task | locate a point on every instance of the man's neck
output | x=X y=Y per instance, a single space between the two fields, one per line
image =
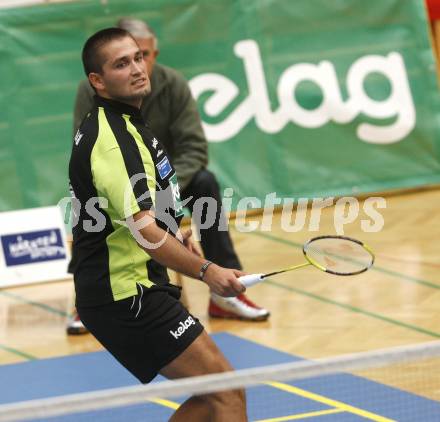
x=133 y=103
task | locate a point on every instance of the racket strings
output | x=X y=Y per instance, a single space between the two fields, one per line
x=339 y=256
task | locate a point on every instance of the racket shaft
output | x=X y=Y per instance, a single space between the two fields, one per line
x=252 y=279
x=295 y=267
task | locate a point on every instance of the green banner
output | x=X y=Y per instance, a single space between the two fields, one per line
x=303 y=98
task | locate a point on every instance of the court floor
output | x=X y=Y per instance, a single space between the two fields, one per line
x=341 y=397
x=313 y=314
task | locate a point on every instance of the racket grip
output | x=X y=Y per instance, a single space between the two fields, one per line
x=250 y=279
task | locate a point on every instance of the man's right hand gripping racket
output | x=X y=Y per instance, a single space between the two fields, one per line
x=339 y=255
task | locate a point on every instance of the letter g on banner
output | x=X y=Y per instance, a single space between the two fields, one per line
x=399 y=103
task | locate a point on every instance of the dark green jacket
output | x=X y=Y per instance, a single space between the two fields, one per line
x=172 y=115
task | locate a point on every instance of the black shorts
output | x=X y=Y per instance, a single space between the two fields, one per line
x=144 y=332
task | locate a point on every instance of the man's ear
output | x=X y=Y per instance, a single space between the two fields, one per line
x=96 y=81
x=156 y=53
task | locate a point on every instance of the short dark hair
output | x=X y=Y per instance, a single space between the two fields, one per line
x=91 y=56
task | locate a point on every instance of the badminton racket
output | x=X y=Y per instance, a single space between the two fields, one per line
x=339 y=255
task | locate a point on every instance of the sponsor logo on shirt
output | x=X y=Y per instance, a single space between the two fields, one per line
x=33 y=247
x=78 y=137
x=175 y=190
x=155 y=142
x=159 y=153
x=164 y=167
x=183 y=326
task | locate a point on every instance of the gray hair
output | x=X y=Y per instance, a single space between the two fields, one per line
x=138 y=29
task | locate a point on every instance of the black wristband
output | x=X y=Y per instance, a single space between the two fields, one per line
x=203 y=269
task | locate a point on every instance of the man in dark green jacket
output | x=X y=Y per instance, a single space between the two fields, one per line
x=172 y=115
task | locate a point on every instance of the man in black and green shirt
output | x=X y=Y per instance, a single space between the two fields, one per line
x=126 y=203
x=171 y=112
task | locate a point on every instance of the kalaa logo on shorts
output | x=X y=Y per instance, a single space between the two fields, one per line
x=183 y=326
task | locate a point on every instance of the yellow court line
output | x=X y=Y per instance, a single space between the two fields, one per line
x=330 y=402
x=166 y=403
x=302 y=415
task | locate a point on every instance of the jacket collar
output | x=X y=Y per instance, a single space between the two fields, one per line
x=158 y=81
x=158 y=78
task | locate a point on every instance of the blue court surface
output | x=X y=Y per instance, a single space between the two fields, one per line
x=341 y=397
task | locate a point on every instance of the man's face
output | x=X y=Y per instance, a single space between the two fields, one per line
x=124 y=73
x=149 y=52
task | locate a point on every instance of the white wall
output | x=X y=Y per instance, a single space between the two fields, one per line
x=5 y=4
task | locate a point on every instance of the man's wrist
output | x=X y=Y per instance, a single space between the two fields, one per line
x=203 y=269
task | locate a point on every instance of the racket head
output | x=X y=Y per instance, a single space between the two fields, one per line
x=339 y=255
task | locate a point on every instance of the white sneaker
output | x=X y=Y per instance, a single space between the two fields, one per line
x=239 y=307
x=75 y=326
